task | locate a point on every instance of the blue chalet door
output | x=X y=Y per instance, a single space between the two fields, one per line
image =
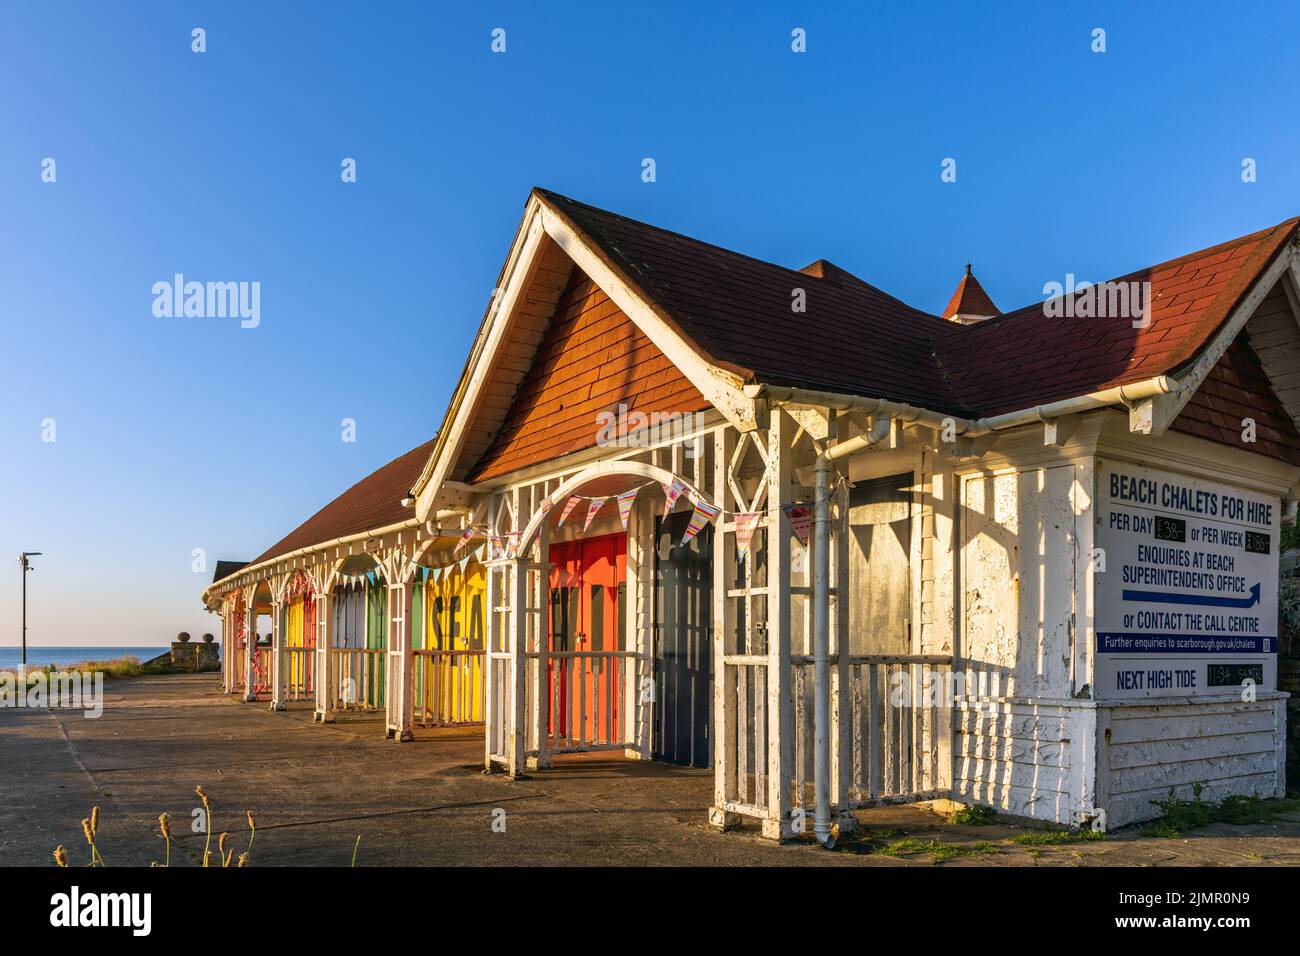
x=683 y=654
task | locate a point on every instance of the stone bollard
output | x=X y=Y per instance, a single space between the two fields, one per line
x=184 y=654
x=208 y=656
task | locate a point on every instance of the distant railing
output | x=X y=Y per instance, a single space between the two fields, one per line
x=300 y=673
x=358 y=678
x=263 y=655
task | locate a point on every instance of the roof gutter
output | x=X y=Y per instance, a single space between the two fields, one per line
x=966 y=427
x=431 y=524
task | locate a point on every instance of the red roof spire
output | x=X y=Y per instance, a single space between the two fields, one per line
x=970 y=303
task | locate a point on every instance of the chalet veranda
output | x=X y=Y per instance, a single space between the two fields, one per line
x=843 y=554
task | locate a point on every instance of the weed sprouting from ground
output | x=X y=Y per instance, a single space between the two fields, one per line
x=975 y=815
x=165 y=828
x=939 y=851
x=1040 y=838
x=252 y=832
x=90 y=830
x=207 y=820
x=1178 y=816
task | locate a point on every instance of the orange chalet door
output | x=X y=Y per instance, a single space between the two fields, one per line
x=587 y=584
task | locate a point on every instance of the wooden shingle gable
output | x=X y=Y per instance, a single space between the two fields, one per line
x=514 y=355
x=1274 y=332
x=592 y=361
x=547 y=249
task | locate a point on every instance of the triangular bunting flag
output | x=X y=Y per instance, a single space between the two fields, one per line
x=568 y=510
x=464 y=538
x=671 y=494
x=625 y=505
x=800 y=521
x=746 y=523
x=704 y=514
x=435 y=574
x=462 y=563
x=596 y=505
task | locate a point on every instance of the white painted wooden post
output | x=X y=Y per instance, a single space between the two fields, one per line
x=496 y=657
x=517 y=716
x=277 y=657
x=325 y=659
x=780 y=730
x=722 y=733
x=541 y=690
x=250 y=651
x=401 y=657
x=491 y=663
x=227 y=671
x=638 y=678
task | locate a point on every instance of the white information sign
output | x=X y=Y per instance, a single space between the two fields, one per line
x=1187 y=603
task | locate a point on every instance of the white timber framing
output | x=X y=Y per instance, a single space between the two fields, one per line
x=517 y=699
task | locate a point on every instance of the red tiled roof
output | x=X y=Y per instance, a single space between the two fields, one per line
x=856 y=339
x=1026 y=357
x=969 y=298
x=373 y=502
x=737 y=312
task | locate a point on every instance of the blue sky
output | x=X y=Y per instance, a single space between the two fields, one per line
x=181 y=433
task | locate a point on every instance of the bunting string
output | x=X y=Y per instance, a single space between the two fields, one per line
x=800 y=514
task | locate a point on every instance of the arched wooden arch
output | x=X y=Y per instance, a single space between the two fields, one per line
x=632 y=469
x=330 y=576
x=297 y=580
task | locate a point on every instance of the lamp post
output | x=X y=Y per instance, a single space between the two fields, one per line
x=26 y=566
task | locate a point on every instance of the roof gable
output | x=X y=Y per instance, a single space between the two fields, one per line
x=1237 y=389
x=591 y=359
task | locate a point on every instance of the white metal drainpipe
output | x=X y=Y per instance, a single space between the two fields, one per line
x=822 y=653
x=821 y=563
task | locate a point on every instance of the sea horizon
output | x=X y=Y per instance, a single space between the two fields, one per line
x=39 y=656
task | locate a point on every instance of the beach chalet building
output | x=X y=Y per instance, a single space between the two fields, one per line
x=693 y=507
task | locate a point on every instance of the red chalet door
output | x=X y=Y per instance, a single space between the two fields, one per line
x=587 y=621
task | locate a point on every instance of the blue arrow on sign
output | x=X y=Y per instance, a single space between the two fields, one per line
x=1205 y=600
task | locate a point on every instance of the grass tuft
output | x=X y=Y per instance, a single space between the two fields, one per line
x=938 y=850
x=975 y=815
x=1179 y=816
x=1040 y=838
